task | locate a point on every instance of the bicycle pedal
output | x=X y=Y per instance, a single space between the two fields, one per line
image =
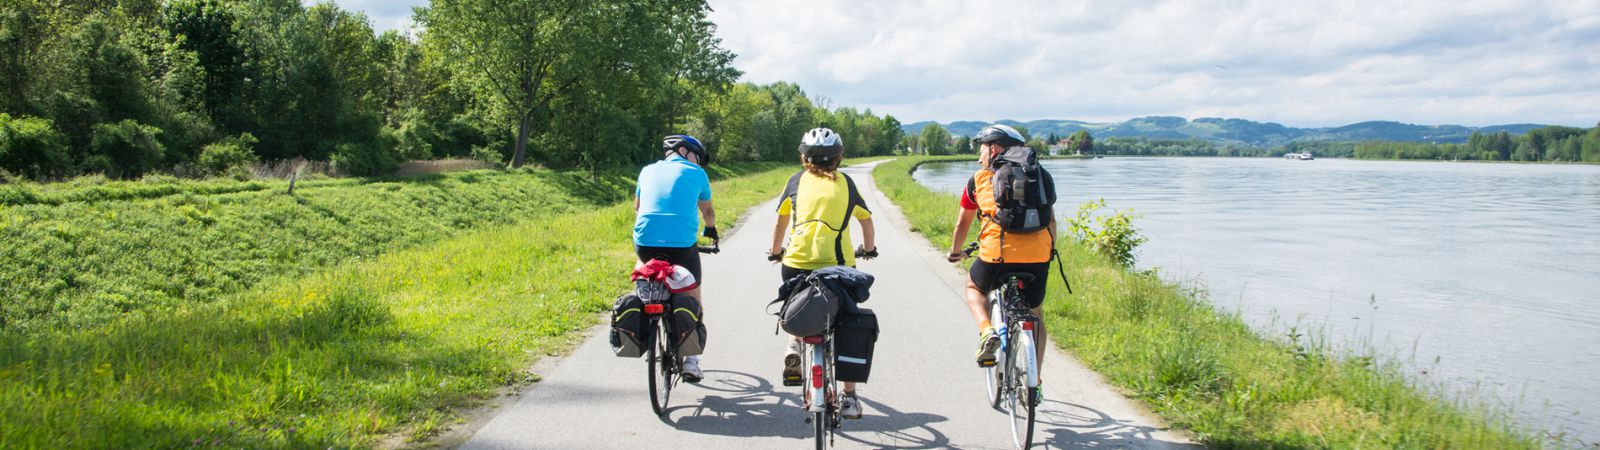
x=792 y=382
x=986 y=363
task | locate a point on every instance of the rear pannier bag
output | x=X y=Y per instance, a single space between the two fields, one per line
x=810 y=309
x=627 y=327
x=688 y=332
x=852 y=345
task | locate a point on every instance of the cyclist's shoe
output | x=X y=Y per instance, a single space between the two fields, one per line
x=791 y=365
x=850 y=406
x=691 y=369
x=988 y=343
x=1038 y=395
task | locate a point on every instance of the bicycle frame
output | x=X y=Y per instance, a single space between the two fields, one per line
x=1018 y=324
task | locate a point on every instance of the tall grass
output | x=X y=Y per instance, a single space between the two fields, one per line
x=81 y=253
x=342 y=357
x=1205 y=370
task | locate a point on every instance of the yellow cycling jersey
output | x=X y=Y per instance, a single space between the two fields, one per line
x=819 y=234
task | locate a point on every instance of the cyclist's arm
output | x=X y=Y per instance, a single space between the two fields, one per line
x=963 y=222
x=868 y=234
x=709 y=213
x=777 y=234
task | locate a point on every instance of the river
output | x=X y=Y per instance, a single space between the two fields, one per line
x=1484 y=277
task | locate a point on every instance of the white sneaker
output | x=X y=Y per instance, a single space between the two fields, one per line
x=691 y=369
x=791 y=364
x=850 y=406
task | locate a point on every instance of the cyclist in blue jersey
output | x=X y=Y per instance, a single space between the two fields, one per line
x=672 y=197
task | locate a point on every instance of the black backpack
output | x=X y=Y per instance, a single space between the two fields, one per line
x=1023 y=201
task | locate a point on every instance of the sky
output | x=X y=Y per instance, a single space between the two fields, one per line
x=1299 y=63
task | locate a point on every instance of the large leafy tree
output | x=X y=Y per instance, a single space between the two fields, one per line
x=581 y=78
x=936 y=140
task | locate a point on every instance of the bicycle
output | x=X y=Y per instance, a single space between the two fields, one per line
x=1012 y=384
x=819 y=389
x=663 y=365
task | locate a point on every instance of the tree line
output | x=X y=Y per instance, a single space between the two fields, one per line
x=199 y=87
x=1552 y=144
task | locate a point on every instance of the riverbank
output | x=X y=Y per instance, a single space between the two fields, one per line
x=368 y=347
x=1207 y=371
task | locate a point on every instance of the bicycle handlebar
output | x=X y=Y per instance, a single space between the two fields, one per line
x=716 y=247
x=861 y=252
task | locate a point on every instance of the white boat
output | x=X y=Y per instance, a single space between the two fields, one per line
x=1304 y=156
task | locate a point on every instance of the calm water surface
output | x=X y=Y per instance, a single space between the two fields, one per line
x=1484 y=276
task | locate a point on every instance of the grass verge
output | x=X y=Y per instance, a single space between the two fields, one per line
x=1206 y=371
x=340 y=358
x=83 y=252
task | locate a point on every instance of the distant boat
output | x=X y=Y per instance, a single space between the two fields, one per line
x=1304 y=156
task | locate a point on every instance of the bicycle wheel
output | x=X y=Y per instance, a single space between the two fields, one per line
x=1020 y=401
x=819 y=428
x=660 y=364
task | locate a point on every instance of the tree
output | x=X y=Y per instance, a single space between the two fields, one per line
x=570 y=72
x=1081 y=143
x=935 y=140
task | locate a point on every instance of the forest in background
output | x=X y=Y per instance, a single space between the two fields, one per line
x=199 y=88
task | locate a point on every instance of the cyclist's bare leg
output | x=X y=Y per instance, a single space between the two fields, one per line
x=1040 y=338
x=696 y=294
x=978 y=303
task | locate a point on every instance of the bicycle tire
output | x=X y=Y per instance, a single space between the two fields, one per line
x=660 y=368
x=1021 y=404
x=819 y=429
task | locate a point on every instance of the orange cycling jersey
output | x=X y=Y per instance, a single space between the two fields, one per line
x=1030 y=247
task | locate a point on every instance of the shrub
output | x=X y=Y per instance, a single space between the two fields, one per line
x=370 y=158
x=1115 y=237
x=130 y=148
x=31 y=147
x=228 y=153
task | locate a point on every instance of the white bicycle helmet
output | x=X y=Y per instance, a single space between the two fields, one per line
x=821 y=146
x=1003 y=134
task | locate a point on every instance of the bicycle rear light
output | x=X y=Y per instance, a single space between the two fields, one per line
x=816 y=376
x=654 y=308
x=812 y=339
x=1027 y=325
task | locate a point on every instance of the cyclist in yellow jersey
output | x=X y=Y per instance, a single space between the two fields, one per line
x=820 y=201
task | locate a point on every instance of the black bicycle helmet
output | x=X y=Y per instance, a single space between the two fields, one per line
x=1003 y=134
x=677 y=141
x=821 y=146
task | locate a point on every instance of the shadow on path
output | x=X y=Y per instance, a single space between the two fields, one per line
x=1072 y=426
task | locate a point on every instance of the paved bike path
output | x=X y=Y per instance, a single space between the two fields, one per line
x=925 y=392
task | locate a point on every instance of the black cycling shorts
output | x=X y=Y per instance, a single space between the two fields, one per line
x=790 y=272
x=987 y=276
x=688 y=257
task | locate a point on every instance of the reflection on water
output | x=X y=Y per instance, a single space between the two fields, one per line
x=1492 y=269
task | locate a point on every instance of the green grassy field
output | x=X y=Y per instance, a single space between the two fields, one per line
x=1206 y=371
x=368 y=347
x=81 y=253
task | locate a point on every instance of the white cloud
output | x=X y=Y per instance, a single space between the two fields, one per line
x=1298 y=63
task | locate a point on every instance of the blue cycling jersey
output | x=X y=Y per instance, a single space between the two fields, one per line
x=670 y=192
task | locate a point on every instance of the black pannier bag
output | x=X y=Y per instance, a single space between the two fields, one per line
x=688 y=332
x=852 y=345
x=809 y=309
x=627 y=327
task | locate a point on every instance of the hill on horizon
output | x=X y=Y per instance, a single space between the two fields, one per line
x=1239 y=131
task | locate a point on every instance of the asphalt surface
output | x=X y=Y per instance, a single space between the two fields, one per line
x=925 y=389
